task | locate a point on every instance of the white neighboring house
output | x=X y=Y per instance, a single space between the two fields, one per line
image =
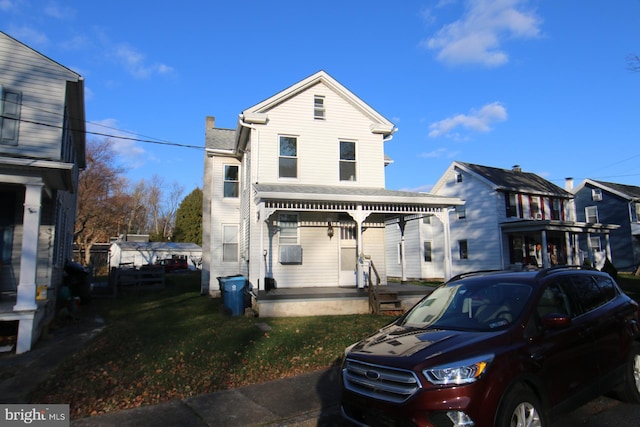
x=510 y=220
x=295 y=198
x=137 y=254
x=42 y=149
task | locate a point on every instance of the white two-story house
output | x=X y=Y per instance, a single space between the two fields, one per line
x=42 y=149
x=295 y=198
x=510 y=220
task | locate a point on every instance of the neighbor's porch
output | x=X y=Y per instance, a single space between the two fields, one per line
x=291 y=302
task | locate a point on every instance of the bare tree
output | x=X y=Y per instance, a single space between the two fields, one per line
x=100 y=187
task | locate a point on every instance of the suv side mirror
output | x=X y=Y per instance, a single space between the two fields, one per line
x=556 y=321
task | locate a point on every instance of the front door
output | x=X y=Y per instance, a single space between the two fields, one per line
x=348 y=256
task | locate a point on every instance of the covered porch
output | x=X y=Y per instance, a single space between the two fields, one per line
x=544 y=243
x=332 y=300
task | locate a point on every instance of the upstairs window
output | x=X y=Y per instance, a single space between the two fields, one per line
x=318 y=107
x=596 y=194
x=9 y=116
x=535 y=206
x=458 y=176
x=427 y=251
x=513 y=205
x=288 y=162
x=231 y=181
x=556 y=209
x=461 y=212
x=347 y=161
x=591 y=214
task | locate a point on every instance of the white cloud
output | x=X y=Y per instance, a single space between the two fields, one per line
x=55 y=10
x=128 y=151
x=479 y=36
x=29 y=36
x=476 y=121
x=135 y=62
x=6 y=5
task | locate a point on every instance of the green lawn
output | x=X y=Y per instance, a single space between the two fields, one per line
x=175 y=343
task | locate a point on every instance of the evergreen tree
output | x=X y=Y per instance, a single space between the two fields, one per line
x=188 y=226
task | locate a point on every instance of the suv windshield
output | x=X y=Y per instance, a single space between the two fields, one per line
x=470 y=306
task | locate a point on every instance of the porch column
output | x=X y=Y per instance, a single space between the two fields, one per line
x=443 y=215
x=568 y=248
x=359 y=215
x=590 y=251
x=402 y=223
x=545 y=249
x=607 y=246
x=26 y=296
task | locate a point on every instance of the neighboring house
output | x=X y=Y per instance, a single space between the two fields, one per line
x=295 y=198
x=137 y=254
x=510 y=220
x=42 y=148
x=610 y=203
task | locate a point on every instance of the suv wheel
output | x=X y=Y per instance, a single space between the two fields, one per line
x=630 y=389
x=520 y=408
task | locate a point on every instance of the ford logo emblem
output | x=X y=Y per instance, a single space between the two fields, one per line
x=372 y=375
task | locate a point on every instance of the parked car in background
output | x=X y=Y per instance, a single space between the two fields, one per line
x=497 y=349
x=174 y=264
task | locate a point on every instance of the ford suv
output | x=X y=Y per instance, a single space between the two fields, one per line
x=497 y=349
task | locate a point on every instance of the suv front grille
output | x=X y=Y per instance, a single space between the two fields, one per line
x=379 y=382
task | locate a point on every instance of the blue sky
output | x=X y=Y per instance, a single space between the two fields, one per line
x=543 y=84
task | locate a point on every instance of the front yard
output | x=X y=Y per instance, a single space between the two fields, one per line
x=175 y=343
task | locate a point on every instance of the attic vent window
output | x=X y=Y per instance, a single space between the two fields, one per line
x=318 y=107
x=458 y=177
x=596 y=194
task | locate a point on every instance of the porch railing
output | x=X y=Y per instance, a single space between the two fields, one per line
x=379 y=300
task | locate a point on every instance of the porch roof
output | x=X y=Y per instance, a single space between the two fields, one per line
x=555 y=225
x=358 y=195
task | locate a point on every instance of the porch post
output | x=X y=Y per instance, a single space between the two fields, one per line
x=448 y=267
x=568 y=248
x=26 y=296
x=545 y=249
x=590 y=251
x=608 y=246
x=402 y=223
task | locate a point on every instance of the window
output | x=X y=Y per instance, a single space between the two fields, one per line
x=318 y=107
x=347 y=161
x=591 y=214
x=9 y=116
x=458 y=177
x=426 y=219
x=637 y=210
x=427 y=251
x=596 y=245
x=461 y=212
x=536 y=211
x=288 y=166
x=596 y=194
x=511 y=200
x=231 y=181
x=587 y=293
x=556 y=209
x=463 y=249
x=288 y=229
x=229 y=243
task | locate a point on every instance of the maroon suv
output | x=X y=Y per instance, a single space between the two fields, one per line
x=497 y=349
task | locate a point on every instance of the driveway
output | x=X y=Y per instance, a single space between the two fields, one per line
x=602 y=412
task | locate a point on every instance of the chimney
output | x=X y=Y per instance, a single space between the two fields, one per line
x=210 y=123
x=516 y=168
x=568 y=184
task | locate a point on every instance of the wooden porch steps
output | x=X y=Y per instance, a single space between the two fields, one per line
x=386 y=301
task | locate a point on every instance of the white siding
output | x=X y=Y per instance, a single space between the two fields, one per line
x=318 y=141
x=480 y=228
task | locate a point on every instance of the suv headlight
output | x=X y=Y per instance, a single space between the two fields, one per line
x=462 y=372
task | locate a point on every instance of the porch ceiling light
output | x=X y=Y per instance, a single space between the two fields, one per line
x=329 y=229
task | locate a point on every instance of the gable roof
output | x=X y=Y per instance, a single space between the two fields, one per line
x=220 y=139
x=629 y=192
x=379 y=123
x=514 y=180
